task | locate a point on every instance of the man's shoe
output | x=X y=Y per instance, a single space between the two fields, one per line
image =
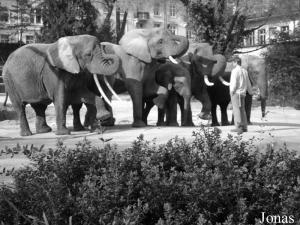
x=239 y=131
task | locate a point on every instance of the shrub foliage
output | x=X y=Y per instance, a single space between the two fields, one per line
x=207 y=181
x=283 y=67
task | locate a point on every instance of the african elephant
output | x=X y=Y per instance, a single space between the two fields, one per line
x=138 y=50
x=256 y=68
x=177 y=80
x=39 y=74
x=213 y=75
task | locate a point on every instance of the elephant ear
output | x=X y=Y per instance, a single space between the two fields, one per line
x=135 y=43
x=219 y=66
x=61 y=55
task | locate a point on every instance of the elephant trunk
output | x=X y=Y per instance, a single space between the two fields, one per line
x=109 y=63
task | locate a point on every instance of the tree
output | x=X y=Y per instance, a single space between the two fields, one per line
x=67 y=17
x=219 y=22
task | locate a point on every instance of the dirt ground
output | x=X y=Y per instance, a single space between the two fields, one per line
x=281 y=125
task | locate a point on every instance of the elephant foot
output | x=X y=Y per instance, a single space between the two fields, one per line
x=138 y=123
x=191 y=124
x=204 y=116
x=78 y=127
x=226 y=123
x=25 y=133
x=161 y=124
x=249 y=123
x=43 y=129
x=173 y=124
x=215 y=124
x=108 y=122
x=63 y=131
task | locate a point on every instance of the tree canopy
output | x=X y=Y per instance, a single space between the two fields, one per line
x=67 y=17
x=218 y=22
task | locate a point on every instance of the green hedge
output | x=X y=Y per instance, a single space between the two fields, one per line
x=207 y=181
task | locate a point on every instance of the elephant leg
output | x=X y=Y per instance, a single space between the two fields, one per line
x=77 y=125
x=25 y=130
x=135 y=90
x=60 y=110
x=161 y=117
x=90 y=116
x=186 y=112
x=147 y=109
x=110 y=121
x=224 y=116
x=248 y=105
x=263 y=104
x=171 y=109
x=206 y=106
x=104 y=112
x=214 y=118
x=40 y=123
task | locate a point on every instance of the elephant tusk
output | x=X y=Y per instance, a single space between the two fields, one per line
x=173 y=60
x=170 y=86
x=207 y=82
x=101 y=90
x=224 y=81
x=111 y=89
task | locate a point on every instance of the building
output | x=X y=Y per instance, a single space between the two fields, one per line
x=271 y=17
x=18 y=24
x=170 y=14
x=152 y=13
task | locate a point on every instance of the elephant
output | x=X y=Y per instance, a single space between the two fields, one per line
x=139 y=51
x=256 y=67
x=211 y=75
x=38 y=74
x=177 y=80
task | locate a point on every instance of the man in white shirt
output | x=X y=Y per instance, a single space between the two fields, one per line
x=239 y=85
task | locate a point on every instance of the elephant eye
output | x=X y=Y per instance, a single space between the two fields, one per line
x=160 y=41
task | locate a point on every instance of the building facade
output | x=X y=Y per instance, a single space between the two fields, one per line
x=19 y=26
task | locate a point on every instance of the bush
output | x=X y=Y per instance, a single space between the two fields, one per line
x=208 y=181
x=283 y=68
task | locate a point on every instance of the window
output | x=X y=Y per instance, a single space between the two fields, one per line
x=250 y=39
x=272 y=34
x=4 y=38
x=29 y=39
x=284 y=29
x=172 y=28
x=262 y=36
x=189 y=33
x=172 y=9
x=38 y=15
x=156 y=9
x=4 y=16
x=156 y=25
x=143 y=15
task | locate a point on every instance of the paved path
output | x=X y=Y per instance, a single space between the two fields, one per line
x=280 y=125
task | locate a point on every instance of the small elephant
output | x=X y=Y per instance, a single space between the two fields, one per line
x=177 y=80
x=138 y=49
x=39 y=74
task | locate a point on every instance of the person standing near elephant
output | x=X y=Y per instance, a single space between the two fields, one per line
x=239 y=85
